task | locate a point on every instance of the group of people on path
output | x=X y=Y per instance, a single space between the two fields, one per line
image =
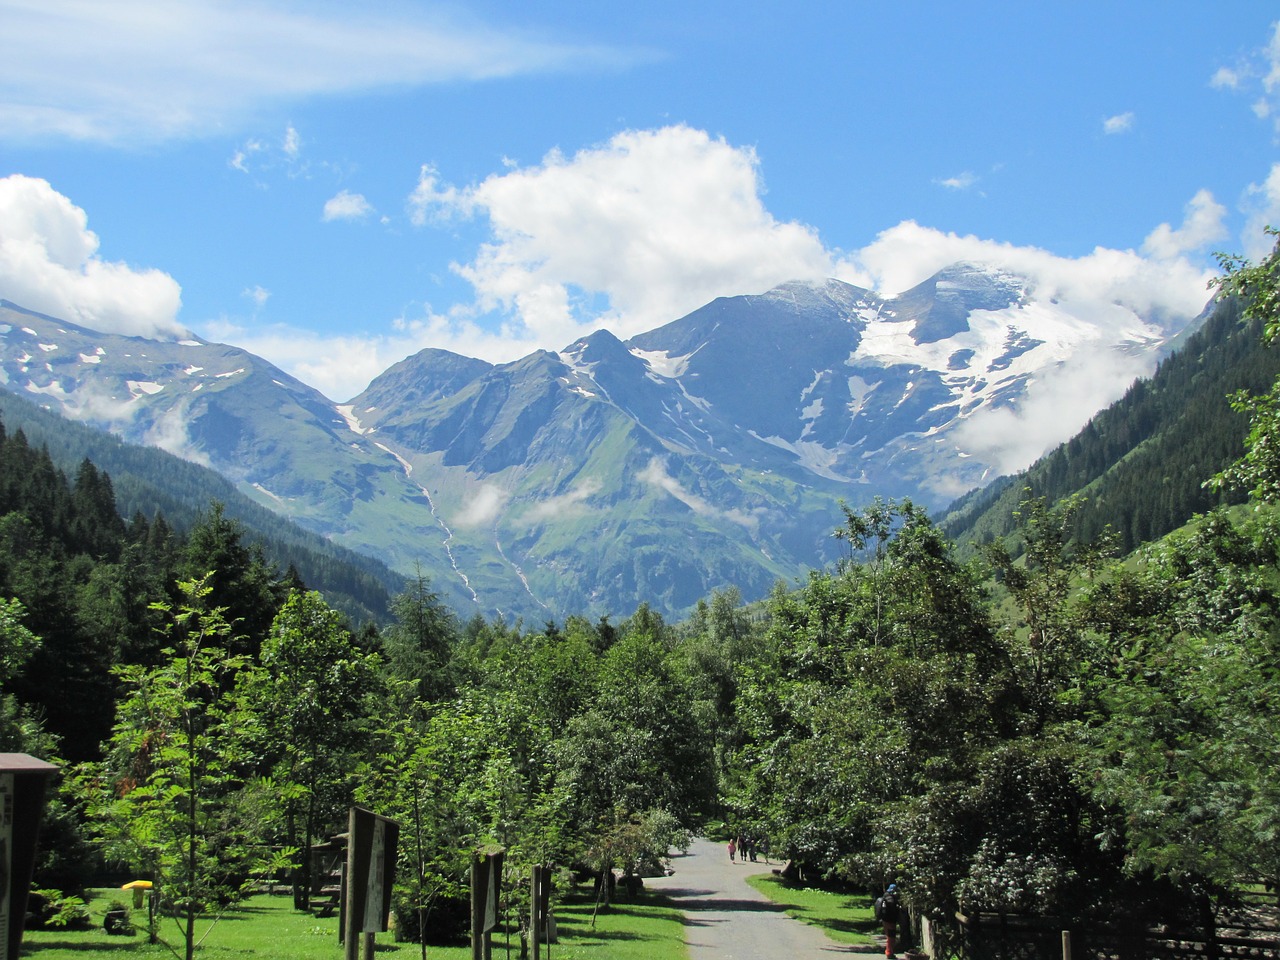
x=744 y=846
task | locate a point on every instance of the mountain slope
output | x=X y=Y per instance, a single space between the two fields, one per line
x=147 y=481
x=1142 y=462
x=711 y=451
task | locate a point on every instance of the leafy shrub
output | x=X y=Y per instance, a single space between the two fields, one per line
x=48 y=909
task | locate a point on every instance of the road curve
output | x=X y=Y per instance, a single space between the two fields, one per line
x=727 y=920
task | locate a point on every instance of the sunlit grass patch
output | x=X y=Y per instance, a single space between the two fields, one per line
x=647 y=928
x=844 y=917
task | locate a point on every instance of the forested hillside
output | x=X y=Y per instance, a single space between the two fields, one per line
x=148 y=481
x=1142 y=463
x=85 y=581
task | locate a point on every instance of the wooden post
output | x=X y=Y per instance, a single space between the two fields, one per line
x=478 y=879
x=535 y=904
x=350 y=915
x=1066 y=945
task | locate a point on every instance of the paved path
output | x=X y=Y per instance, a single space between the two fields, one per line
x=728 y=920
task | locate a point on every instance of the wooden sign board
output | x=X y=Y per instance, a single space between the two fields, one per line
x=22 y=785
x=369 y=877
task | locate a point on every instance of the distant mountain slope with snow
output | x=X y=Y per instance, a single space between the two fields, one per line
x=711 y=451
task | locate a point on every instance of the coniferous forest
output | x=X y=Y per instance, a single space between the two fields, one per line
x=1075 y=719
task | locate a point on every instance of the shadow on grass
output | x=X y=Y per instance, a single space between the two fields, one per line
x=573 y=918
x=30 y=948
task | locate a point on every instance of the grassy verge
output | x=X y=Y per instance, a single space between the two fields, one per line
x=845 y=918
x=645 y=929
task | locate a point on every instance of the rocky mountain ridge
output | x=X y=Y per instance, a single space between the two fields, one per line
x=713 y=450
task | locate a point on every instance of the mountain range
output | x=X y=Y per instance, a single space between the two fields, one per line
x=712 y=451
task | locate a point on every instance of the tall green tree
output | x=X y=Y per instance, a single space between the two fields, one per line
x=162 y=800
x=18 y=730
x=313 y=702
x=419 y=644
x=237 y=574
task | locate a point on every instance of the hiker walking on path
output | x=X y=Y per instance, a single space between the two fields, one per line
x=886 y=909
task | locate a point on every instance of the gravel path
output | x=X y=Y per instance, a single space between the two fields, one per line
x=728 y=920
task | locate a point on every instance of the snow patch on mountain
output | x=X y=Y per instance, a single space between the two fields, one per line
x=346 y=411
x=814 y=457
x=52 y=389
x=663 y=364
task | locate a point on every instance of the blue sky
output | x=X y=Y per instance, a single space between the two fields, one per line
x=335 y=186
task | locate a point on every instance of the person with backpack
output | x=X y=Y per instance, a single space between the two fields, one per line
x=886 y=910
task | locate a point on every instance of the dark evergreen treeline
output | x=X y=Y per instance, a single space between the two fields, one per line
x=150 y=481
x=87 y=580
x=1143 y=462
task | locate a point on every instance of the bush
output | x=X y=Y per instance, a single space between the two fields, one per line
x=448 y=922
x=117 y=920
x=49 y=909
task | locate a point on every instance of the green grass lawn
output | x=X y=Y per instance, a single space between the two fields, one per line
x=843 y=917
x=264 y=926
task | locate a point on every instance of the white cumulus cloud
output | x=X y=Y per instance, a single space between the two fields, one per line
x=49 y=263
x=1120 y=123
x=1225 y=78
x=346 y=206
x=904 y=255
x=340 y=367
x=962 y=181
x=656 y=475
x=1256 y=76
x=571 y=504
x=1262 y=204
x=1204 y=224
x=1057 y=405
x=258 y=294
x=482 y=506
x=629 y=234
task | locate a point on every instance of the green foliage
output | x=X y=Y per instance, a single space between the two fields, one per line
x=1040 y=729
x=57 y=911
x=1257 y=286
x=419 y=643
x=161 y=800
x=17 y=643
x=311 y=703
x=149 y=483
x=637 y=745
x=1189 y=750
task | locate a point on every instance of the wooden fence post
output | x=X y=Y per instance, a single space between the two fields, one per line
x=535 y=904
x=477 y=909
